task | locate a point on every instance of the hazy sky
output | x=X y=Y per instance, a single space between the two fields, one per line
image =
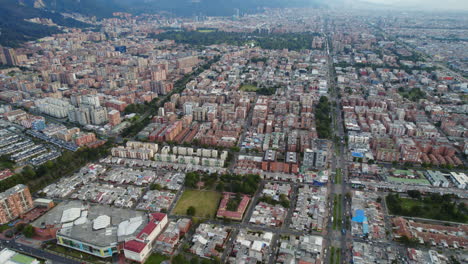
x=424 y=4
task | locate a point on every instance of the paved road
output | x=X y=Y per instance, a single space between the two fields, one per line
x=335 y=238
x=246 y=127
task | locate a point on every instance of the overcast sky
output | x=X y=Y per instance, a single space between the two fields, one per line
x=425 y=4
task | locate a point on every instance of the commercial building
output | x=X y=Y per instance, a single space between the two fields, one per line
x=139 y=249
x=14 y=202
x=99 y=230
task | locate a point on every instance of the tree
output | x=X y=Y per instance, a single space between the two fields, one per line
x=410 y=242
x=415 y=194
x=28 y=231
x=235 y=149
x=179 y=259
x=28 y=172
x=191 y=211
x=284 y=201
x=220 y=187
x=206 y=261
x=155 y=186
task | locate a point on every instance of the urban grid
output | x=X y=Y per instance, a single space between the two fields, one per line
x=279 y=135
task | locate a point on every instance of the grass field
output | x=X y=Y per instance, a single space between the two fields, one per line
x=205 y=203
x=339 y=176
x=337 y=217
x=408 y=203
x=432 y=206
x=248 y=88
x=4 y=227
x=409 y=181
x=335 y=211
x=206 y=30
x=335 y=255
x=156 y=259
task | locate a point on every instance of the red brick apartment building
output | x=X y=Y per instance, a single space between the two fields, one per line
x=14 y=202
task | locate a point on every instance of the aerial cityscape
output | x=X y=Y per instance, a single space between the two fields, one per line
x=295 y=132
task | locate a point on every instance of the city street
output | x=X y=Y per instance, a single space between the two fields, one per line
x=337 y=237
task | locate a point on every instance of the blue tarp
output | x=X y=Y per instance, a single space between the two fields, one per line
x=365 y=229
x=360 y=216
x=317 y=183
x=357 y=154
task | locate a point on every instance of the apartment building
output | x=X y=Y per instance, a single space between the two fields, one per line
x=14 y=202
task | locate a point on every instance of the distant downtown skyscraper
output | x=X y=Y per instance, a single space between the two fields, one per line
x=9 y=55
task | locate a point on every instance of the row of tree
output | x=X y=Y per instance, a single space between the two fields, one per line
x=51 y=171
x=283 y=200
x=432 y=206
x=291 y=41
x=246 y=184
x=323 y=119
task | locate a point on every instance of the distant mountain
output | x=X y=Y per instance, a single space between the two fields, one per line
x=105 y=8
x=14 y=29
x=224 y=7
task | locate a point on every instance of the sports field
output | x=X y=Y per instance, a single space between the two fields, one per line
x=205 y=203
x=248 y=88
x=206 y=30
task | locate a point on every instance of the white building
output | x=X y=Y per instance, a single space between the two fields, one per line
x=459 y=179
x=8 y=256
x=54 y=107
x=140 y=248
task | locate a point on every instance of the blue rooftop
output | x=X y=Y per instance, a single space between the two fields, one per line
x=357 y=154
x=365 y=229
x=360 y=216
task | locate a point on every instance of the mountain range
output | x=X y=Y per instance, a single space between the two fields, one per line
x=105 y=8
x=15 y=15
x=15 y=29
x=16 y=26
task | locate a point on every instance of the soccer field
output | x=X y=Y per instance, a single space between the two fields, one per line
x=205 y=203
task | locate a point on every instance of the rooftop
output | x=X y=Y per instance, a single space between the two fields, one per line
x=95 y=224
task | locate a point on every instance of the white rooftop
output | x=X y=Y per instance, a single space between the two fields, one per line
x=128 y=227
x=101 y=222
x=70 y=214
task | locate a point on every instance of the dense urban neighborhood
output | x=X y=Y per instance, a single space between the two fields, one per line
x=287 y=135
